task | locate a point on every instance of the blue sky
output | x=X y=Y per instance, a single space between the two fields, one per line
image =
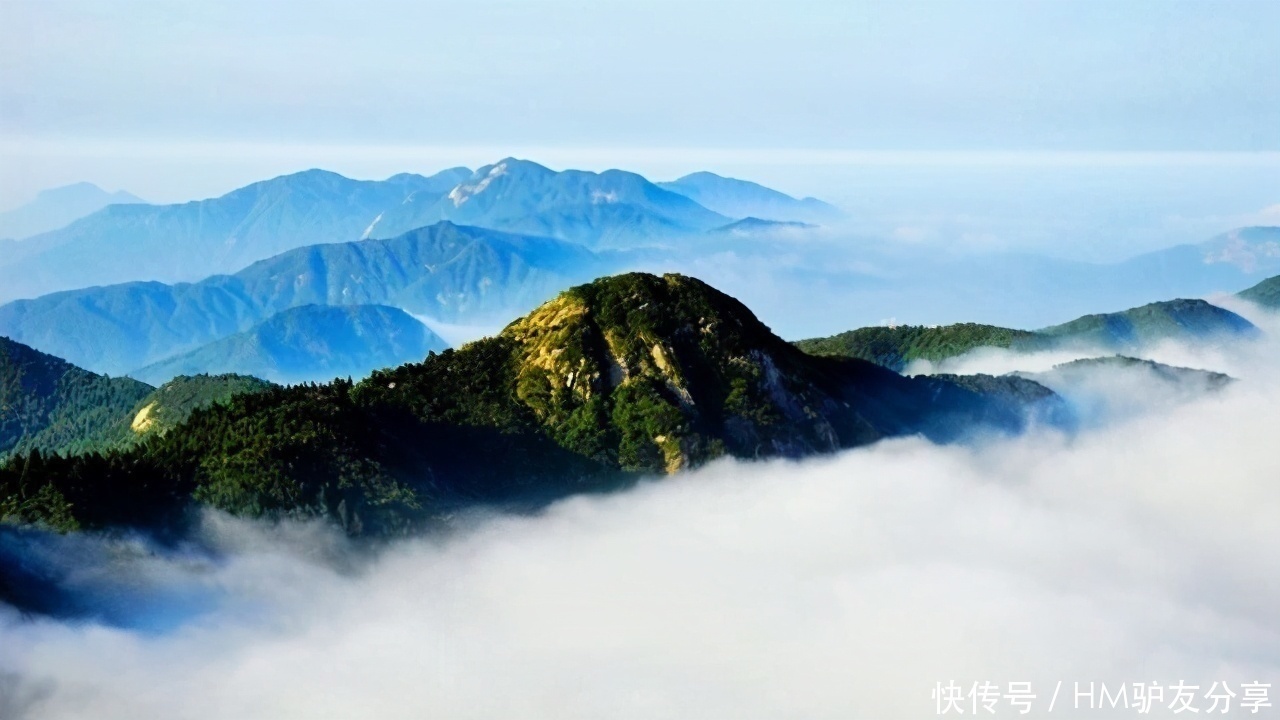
x=81 y=83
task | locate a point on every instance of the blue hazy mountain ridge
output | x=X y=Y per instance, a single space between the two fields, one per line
x=1088 y=386
x=871 y=280
x=1229 y=261
x=754 y=226
x=743 y=198
x=310 y=343
x=445 y=272
x=58 y=207
x=613 y=208
x=189 y=241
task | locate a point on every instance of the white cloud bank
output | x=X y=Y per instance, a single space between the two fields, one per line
x=842 y=587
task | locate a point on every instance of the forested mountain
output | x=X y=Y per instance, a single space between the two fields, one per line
x=1265 y=293
x=1172 y=319
x=49 y=404
x=57 y=207
x=193 y=240
x=895 y=347
x=609 y=209
x=310 y=343
x=169 y=405
x=628 y=374
x=741 y=199
x=52 y=406
x=445 y=272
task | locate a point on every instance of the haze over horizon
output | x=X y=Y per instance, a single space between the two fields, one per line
x=177 y=101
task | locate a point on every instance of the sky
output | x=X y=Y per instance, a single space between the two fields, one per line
x=181 y=100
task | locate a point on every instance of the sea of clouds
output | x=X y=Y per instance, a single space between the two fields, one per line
x=837 y=587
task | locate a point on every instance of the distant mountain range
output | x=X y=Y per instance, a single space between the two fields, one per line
x=58 y=207
x=445 y=272
x=629 y=375
x=609 y=209
x=864 y=281
x=743 y=199
x=756 y=227
x=311 y=343
x=193 y=240
x=1229 y=260
x=896 y=347
x=190 y=241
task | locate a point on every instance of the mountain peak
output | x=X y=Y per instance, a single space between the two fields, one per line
x=702 y=175
x=669 y=350
x=1153 y=322
x=310 y=175
x=482 y=178
x=644 y=306
x=58 y=207
x=512 y=165
x=743 y=198
x=643 y=321
x=312 y=179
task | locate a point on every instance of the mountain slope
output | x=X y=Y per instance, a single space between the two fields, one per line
x=193 y=240
x=310 y=343
x=172 y=403
x=628 y=374
x=57 y=207
x=1265 y=293
x=445 y=272
x=895 y=347
x=1172 y=319
x=50 y=405
x=741 y=199
x=609 y=209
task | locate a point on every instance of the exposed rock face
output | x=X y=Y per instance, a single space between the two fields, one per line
x=678 y=371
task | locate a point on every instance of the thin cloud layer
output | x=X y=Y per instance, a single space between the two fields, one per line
x=837 y=587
